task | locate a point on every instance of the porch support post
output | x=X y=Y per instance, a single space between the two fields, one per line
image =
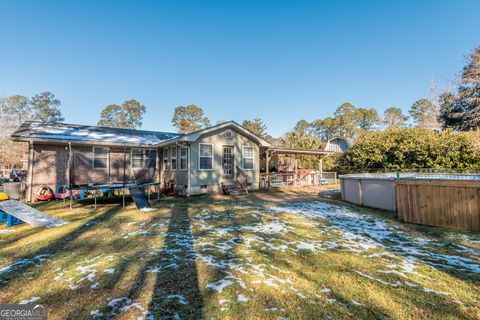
x=296 y=173
x=267 y=170
x=30 y=171
x=320 y=169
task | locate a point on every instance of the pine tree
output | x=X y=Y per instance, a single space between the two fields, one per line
x=190 y=118
x=46 y=107
x=461 y=111
x=128 y=115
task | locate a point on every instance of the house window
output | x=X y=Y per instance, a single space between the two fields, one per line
x=206 y=156
x=144 y=158
x=100 y=157
x=165 y=159
x=137 y=158
x=183 y=158
x=151 y=158
x=174 y=158
x=247 y=157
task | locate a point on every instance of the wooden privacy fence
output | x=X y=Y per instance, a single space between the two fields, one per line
x=444 y=203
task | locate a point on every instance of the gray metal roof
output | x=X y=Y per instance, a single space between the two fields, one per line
x=62 y=132
x=194 y=136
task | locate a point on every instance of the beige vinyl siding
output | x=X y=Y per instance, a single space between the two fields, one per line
x=213 y=178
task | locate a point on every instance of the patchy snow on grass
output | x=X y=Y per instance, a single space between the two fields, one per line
x=239 y=242
x=31 y=300
x=242 y=298
x=96 y=314
x=361 y=233
x=355 y=302
x=180 y=298
x=427 y=290
x=136 y=233
x=85 y=273
x=269 y=227
x=109 y=271
x=396 y=284
x=119 y=305
x=22 y=263
x=306 y=246
x=219 y=285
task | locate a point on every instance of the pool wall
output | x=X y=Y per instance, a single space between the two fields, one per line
x=369 y=191
x=450 y=201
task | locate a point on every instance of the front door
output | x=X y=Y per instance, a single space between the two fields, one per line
x=228 y=161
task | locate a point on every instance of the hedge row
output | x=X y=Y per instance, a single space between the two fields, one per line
x=413 y=148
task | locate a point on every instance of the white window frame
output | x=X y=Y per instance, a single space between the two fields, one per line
x=144 y=159
x=166 y=159
x=93 y=158
x=173 y=155
x=244 y=157
x=200 y=155
x=183 y=157
x=233 y=159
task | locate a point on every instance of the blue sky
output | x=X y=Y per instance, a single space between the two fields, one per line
x=279 y=60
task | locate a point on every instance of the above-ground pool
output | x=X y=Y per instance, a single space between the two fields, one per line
x=446 y=200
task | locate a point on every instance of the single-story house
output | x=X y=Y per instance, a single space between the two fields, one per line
x=199 y=162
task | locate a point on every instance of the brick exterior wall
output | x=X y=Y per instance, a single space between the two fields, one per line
x=50 y=167
x=50 y=164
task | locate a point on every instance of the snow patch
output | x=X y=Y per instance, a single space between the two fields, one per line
x=219 y=285
x=32 y=299
x=242 y=298
x=427 y=290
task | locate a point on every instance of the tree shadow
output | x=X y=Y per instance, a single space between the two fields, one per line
x=176 y=291
x=55 y=247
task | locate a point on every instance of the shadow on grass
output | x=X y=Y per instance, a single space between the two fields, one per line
x=56 y=246
x=176 y=291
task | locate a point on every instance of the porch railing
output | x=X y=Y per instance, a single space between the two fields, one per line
x=292 y=179
x=241 y=178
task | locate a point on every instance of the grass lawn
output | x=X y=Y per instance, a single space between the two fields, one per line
x=289 y=254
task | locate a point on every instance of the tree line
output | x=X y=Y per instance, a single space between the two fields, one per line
x=457 y=109
x=16 y=109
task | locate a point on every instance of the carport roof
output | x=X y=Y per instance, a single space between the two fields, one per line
x=279 y=150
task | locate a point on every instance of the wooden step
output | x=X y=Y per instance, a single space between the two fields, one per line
x=237 y=192
x=233 y=190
